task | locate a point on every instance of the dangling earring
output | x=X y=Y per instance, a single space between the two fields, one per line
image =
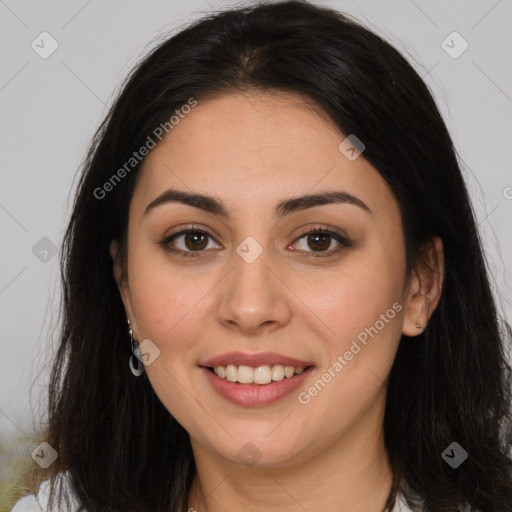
x=136 y=366
x=418 y=325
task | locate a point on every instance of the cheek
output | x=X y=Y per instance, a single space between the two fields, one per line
x=362 y=310
x=168 y=306
x=165 y=299
x=361 y=306
x=360 y=291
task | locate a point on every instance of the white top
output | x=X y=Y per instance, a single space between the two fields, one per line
x=32 y=503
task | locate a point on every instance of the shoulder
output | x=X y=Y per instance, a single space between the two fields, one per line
x=39 y=502
x=400 y=504
x=27 y=504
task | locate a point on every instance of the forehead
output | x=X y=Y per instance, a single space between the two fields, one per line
x=258 y=149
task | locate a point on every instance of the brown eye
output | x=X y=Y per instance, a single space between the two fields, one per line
x=319 y=241
x=188 y=242
x=195 y=240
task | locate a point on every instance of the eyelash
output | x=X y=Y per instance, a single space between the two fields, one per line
x=343 y=241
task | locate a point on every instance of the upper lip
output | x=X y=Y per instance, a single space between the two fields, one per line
x=254 y=360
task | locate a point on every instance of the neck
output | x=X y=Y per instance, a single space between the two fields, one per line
x=351 y=475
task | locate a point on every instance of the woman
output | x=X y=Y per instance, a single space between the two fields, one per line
x=275 y=296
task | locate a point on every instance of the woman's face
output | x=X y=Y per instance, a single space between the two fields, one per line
x=254 y=283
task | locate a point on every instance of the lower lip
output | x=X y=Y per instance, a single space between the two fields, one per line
x=256 y=394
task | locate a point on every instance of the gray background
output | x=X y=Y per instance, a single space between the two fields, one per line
x=51 y=107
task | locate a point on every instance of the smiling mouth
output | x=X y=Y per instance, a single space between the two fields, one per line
x=262 y=375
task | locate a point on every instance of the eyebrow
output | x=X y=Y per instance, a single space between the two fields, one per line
x=285 y=207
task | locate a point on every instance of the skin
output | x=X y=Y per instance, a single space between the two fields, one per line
x=252 y=151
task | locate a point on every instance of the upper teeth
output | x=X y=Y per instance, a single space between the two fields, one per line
x=260 y=375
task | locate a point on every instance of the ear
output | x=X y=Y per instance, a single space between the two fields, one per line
x=424 y=290
x=121 y=278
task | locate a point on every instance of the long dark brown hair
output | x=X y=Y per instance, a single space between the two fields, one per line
x=452 y=383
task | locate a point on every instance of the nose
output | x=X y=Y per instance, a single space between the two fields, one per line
x=255 y=297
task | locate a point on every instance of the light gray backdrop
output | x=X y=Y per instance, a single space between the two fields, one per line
x=62 y=62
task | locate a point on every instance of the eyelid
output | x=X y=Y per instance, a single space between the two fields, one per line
x=183 y=231
x=341 y=238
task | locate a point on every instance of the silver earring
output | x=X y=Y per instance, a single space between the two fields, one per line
x=418 y=325
x=136 y=366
